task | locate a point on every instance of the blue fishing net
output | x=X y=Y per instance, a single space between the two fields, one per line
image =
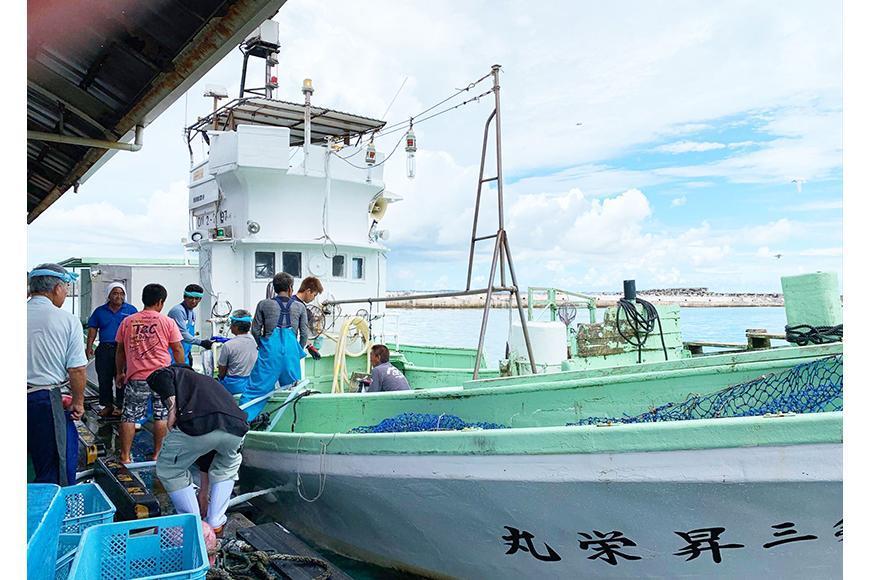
x=415 y=422
x=811 y=387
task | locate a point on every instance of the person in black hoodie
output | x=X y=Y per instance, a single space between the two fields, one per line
x=202 y=418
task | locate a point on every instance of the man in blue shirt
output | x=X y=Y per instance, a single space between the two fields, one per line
x=55 y=361
x=185 y=317
x=105 y=320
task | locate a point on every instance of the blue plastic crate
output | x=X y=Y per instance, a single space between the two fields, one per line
x=44 y=515
x=85 y=505
x=169 y=547
x=64 y=565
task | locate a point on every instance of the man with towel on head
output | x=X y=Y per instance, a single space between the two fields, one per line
x=185 y=317
x=106 y=319
x=238 y=355
x=55 y=361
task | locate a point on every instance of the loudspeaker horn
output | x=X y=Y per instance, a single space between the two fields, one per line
x=378 y=209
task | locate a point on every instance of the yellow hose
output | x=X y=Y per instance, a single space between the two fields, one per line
x=340 y=379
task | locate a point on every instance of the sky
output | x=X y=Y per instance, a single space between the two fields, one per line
x=681 y=144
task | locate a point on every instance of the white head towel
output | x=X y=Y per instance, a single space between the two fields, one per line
x=114 y=285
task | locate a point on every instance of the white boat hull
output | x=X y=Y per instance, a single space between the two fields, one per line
x=473 y=516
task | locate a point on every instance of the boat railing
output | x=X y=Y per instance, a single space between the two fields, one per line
x=552 y=301
x=384 y=334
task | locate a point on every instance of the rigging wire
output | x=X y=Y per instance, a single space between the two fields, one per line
x=417 y=120
x=396 y=96
x=404 y=125
x=458 y=92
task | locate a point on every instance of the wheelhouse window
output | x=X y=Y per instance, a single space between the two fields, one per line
x=264 y=264
x=357 y=268
x=292 y=263
x=338 y=267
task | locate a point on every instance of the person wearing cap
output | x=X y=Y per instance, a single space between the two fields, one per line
x=145 y=340
x=106 y=319
x=238 y=355
x=185 y=317
x=55 y=361
x=203 y=420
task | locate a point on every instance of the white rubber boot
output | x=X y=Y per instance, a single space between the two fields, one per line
x=184 y=500
x=218 y=500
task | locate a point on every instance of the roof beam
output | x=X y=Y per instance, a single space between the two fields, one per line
x=70 y=108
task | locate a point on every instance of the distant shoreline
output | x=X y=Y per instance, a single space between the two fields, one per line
x=685 y=298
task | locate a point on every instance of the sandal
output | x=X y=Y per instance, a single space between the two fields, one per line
x=106 y=412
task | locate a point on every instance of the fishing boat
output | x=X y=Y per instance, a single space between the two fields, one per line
x=595 y=448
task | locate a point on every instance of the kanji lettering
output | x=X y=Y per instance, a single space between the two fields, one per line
x=839 y=533
x=605 y=546
x=785 y=530
x=514 y=539
x=704 y=540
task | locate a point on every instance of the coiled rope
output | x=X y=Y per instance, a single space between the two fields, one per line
x=238 y=560
x=804 y=334
x=641 y=324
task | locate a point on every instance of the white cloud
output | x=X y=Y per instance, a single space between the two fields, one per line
x=690 y=147
x=102 y=229
x=678 y=201
x=816 y=205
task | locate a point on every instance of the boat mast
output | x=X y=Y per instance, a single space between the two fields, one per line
x=501 y=252
x=501 y=256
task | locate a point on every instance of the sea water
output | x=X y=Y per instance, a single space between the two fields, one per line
x=461 y=327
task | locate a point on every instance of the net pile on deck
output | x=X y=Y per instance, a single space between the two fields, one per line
x=811 y=387
x=416 y=422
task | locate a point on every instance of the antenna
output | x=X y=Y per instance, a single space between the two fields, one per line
x=262 y=43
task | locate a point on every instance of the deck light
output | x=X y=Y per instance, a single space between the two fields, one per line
x=411 y=149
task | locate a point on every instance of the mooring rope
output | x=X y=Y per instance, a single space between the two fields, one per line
x=238 y=560
x=321 y=476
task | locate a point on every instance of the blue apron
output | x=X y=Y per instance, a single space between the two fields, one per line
x=277 y=362
x=191 y=328
x=235 y=385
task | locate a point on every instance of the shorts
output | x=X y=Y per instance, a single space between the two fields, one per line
x=136 y=396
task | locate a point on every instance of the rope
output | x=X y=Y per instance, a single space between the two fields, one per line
x=238 y=560
x=339 y=366
x=641 y=325
x=321 y=476
x=804 y=334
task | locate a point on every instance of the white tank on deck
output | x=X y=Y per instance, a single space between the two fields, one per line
x=549 y=343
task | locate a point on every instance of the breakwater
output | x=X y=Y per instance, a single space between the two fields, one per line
x=683 y=297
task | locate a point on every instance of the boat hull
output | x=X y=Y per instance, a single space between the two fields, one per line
x=660 y=514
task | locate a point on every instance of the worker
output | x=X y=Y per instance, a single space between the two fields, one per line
x=185 y=317
x=203 y=418
x=106 y=319
x=55 y=361
x=308 y=291
x=144 y=342
x=280 y=351
x=238 y=355
x=385 y=377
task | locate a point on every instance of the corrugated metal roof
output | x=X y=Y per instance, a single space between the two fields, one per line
x=98 y=70
x=275 y=113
